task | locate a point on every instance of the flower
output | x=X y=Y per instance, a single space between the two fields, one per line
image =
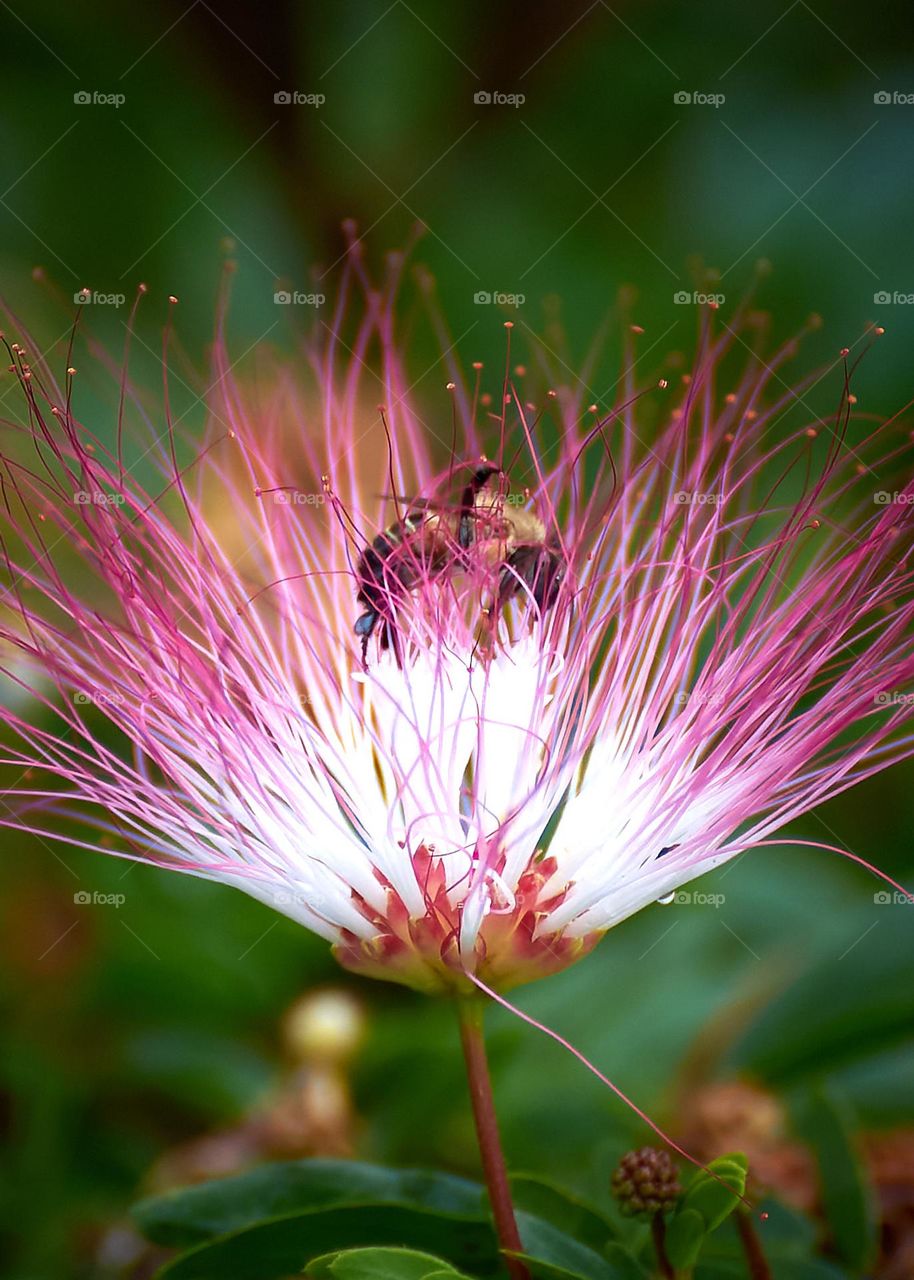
x=706 y=633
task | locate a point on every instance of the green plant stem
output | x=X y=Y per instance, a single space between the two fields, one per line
x=752 y=1247
x=470 y=1012
x=658 y=1234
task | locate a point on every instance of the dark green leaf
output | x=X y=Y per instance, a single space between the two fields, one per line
x=206 y=1071
x=781 y=1269
x=825 y=1122
x=273 y=1220
x=191 y=1215
x=556 y=1254
x=625 y=1263
x=838 y=1013
x=563 y=1209
x=540 y=1270
x=283 y=1246
x=788 y=1241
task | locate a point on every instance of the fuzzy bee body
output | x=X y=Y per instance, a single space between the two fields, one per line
x=431 y=540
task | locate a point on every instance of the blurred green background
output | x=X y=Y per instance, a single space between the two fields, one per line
x=134 y=1029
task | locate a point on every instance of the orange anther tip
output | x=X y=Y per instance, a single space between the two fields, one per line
x=663 y=384
x=636 y=328
x=845 y=351
x=71 y=369
x=811 y=432
x=477 y=364
x=172 y=298
x=451 y=386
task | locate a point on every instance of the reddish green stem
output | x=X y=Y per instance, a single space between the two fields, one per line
x=493 y=1160
x=658 y=1233
x=752 y=1247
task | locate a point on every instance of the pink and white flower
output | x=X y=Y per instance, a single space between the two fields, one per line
x=731 y=643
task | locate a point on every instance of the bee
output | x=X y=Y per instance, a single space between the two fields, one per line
x=432 y=540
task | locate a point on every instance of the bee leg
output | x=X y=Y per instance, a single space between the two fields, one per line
x=391 y=640
x=537 y=570
x=466 y=531
x=364 y=627
x=548 y=578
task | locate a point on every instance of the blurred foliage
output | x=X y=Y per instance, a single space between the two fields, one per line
x=133 y=1029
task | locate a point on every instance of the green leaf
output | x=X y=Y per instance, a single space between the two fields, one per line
x=708 y=1201
x=684 y=1237
x=715 y=1197
x=191 y=1215
x=786 y=1269
x=206 y=1071
x=540 y=1270
x=273 y=1220
x=549 y=1252
x=563 y=1209
x=788 y=1241
x=824 y=1120
x=380 y=1264
x=626 y=1264
x=837 y=1014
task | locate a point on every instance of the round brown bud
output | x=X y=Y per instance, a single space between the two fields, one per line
x=645 y=1182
